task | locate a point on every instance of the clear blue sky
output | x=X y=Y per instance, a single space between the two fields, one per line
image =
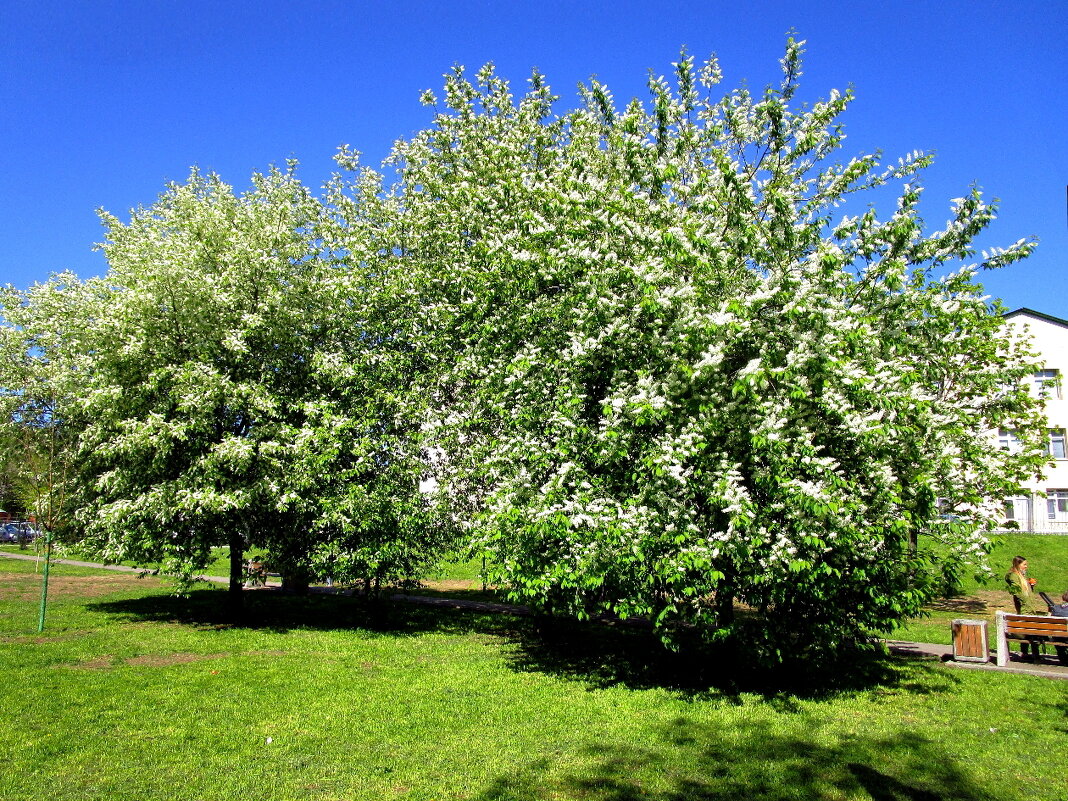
x=103 y=102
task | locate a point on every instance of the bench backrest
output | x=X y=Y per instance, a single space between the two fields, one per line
x=1035 y=626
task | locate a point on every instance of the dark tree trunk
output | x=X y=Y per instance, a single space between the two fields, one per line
x=724 y=595
x=235 y=596
x=724 y=607
x=296 y=581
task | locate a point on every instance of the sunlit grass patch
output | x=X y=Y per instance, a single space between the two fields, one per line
x=142 y=694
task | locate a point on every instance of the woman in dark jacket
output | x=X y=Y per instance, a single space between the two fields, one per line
x=1061 y=610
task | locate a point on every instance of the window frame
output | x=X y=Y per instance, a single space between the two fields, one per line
x=1008 y=440
x=1047 y=383
x=1057 y=438
x=1010 y=505
x=1057 y=505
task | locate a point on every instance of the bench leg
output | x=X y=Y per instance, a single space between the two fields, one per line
x=1003 y=641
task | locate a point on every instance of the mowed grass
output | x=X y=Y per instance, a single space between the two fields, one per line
x=218 y=566
x=466 y=572
x=133 y=693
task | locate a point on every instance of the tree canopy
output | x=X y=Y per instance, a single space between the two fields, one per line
x=678 y=381
x=222 y=390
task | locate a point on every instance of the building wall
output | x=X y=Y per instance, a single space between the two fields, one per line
x=1042 y=505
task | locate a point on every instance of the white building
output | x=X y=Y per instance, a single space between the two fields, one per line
x=1042 y=505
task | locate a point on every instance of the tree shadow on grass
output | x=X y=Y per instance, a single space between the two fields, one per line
x=603 y=655
x=599 y=654
x=462 y=593
x=1062 y=708
x=968 y=605
x=278 y=613
x=689 y=761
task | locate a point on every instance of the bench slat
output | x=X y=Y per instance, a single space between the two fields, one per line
x=1023 y=634
x=1037 y=625
x=1049 y=622
x=1045 y=626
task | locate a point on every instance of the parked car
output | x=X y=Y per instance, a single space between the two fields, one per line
x=18 y=531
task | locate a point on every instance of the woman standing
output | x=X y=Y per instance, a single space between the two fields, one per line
x=1021 y=587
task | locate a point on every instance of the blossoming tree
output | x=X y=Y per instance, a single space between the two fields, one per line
x=676 y=381
x=222 y=388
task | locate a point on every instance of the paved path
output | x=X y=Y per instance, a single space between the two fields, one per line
x=1050 y=668
x=944 y=653
x=98 y=566
x=33 y=558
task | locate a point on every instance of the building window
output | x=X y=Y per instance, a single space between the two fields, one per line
x=1056 y=443
x=1048 y=383
x=1008 y=440
x=1057 y=505
x=1018 y=510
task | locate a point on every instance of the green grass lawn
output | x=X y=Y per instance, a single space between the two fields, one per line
x=133 y=693
x=1047 y=555
x=453 y=570
x=218 y=566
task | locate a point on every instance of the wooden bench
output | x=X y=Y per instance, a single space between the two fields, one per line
x=255 y=573
x=1027 y=627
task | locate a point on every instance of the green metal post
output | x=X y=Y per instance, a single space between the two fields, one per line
x=44 y=581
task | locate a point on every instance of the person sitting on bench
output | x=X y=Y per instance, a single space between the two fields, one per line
x=1061 y=610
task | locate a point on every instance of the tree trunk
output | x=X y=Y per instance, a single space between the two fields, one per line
x=724 y=595
x=296 y=581
x=724 y=607
x=235 y=596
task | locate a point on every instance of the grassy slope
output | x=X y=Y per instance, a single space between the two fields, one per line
x=1047 y=556
x=135 y=694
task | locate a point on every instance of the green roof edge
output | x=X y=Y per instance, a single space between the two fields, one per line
x=1047 y=317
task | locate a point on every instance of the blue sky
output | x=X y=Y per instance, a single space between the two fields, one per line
x=102 y=103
